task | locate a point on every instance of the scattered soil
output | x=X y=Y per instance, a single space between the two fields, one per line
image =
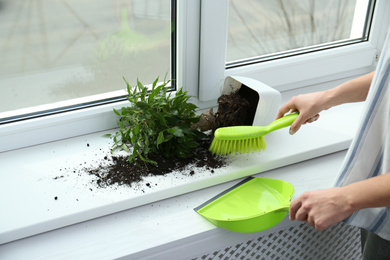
x=237 y=108
x=122 y=172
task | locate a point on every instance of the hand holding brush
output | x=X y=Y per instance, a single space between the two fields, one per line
x=244 y=139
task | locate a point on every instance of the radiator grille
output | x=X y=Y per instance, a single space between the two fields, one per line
x=299 y=242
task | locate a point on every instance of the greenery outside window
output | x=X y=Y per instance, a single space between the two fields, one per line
x=288 y=44
x=59 y=56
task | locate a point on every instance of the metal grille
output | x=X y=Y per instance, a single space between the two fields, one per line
x=299 y=242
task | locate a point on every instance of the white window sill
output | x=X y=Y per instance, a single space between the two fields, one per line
x=28 y=191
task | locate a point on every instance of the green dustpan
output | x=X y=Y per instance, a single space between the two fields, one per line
x=253 y=205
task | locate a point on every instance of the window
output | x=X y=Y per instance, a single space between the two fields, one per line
x=201 y=59
x=261 y=30
x=61 y=55
x=237 y=39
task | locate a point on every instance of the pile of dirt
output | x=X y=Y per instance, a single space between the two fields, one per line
x=237 y=108
x=121 y=172
x=234 y=109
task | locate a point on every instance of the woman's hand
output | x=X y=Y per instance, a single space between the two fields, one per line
x=309 y=107
x=321 y=208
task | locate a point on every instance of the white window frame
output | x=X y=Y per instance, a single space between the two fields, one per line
x=284 y=73
x=201 y=50
x=64 y=125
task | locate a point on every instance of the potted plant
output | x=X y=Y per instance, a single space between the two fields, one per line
x=157 y=123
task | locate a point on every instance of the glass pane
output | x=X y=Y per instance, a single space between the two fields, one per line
x=264 y=28
x=56 y=51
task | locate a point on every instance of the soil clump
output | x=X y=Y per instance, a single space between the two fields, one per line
x=237 y=108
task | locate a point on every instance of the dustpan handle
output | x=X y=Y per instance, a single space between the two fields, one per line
x=284 y=207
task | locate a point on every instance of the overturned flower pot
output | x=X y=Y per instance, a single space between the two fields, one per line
x=244 y=101
x=263 y=100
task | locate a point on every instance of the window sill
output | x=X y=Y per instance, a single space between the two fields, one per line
x=27 y=174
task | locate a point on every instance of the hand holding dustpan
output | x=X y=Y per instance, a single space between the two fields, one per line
x=252 y=205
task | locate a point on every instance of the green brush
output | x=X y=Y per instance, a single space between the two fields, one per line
x=245 y=139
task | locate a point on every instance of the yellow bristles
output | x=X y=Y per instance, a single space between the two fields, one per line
x=224 y=147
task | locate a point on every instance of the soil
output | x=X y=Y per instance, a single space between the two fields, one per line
x=121 y=172
x=235 y=109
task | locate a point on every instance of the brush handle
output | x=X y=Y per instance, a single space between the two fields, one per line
x=239 y=133
x=282 y=122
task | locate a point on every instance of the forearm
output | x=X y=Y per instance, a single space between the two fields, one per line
x=370 y=193
x=354 y=90
x=323 y=208
x=310 y=105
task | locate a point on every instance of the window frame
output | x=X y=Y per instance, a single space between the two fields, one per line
x=201 y=50
x=69 y=121
x=298 y=71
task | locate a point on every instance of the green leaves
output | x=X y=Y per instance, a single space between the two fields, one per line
x=156 y=122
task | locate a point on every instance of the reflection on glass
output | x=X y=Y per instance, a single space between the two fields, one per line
x=264 y=27
x=54 y=51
